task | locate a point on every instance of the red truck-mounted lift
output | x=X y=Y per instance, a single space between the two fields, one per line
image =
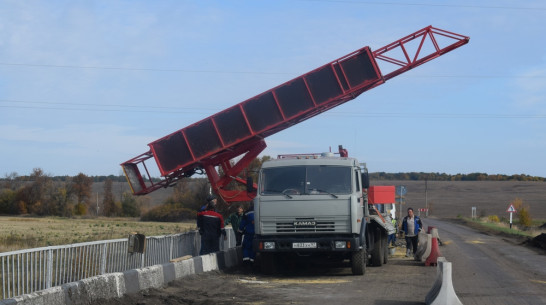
x=239 y=131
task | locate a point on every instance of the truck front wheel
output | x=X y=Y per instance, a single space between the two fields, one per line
x=268 y=263
x=358 y=262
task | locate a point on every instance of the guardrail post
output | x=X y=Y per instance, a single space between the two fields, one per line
x=171 y=248
x=49 y=267
x=103 y=258
x=143 y=258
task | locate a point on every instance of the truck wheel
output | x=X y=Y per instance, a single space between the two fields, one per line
x=268 y=263
x=385 y=241
x=358 y=262
x=377 y=252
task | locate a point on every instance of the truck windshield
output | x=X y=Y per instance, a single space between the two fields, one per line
x=306 y=180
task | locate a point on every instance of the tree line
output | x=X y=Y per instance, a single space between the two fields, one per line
x=67 y=196
x=458 y=177
x=42 y=195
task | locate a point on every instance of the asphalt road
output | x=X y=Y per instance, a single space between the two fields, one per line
x=486 y=270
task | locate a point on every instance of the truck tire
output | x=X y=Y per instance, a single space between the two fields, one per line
x=378 y=249
x=385 y=241
x=358 y=262
x=268 y=263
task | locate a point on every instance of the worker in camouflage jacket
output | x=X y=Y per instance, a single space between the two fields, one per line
x=235 y=220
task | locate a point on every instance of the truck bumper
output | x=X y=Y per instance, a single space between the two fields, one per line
x=306 y=244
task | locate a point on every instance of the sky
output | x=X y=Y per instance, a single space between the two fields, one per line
x=87 y=85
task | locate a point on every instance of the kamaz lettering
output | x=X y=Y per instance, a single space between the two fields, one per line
x=305 y=223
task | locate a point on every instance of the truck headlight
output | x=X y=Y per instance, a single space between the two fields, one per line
x=269 y=245
x=341 y=244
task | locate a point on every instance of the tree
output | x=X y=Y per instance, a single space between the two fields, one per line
x=524 y=216
x=80 y=186
x=8 y=202
x=108 y=202
x=33 y=196
x=189 y=193
x=61 y=200
x=129 y=205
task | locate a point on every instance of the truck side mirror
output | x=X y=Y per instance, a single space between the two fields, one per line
x=249 y=185
x=365 y=180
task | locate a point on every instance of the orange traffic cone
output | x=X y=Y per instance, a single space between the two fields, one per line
x=432 y=259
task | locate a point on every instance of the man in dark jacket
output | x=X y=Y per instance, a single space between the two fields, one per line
x=235 y=219
x=211 y=227
x=411 y=225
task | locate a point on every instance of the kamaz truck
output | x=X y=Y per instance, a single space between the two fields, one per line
x=316 y=206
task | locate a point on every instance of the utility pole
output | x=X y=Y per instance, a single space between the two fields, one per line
x=426 y=196
x=97 y=204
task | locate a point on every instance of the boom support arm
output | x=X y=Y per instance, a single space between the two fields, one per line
x=240 y=130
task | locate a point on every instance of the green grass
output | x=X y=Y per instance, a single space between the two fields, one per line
x=504 y=226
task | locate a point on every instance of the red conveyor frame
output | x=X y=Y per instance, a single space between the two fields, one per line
x=240 y=130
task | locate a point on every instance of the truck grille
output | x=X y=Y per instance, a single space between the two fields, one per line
x=289 y=225
x=326 y=226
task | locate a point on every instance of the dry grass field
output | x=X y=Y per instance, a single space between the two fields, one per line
x=449 y=199
x=32 y=232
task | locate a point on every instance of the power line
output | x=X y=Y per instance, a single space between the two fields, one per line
x=139 y=69
x=154 y=109
x=431 y=5
x=243 y=72
x=96 y=105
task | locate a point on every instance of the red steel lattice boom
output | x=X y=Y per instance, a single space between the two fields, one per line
x=240 y=130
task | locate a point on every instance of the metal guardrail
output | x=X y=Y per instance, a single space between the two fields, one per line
x=30 y=270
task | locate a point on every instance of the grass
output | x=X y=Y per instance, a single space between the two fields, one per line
x=18 y=233
x=504 y=227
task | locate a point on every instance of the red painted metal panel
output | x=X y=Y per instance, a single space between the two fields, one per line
x=381 y=194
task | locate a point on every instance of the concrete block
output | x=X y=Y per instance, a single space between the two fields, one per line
x=169 y=274
x=231 y=259
x=48 y=296
x=210 y=262
x=130 y=278
x=442 y=291
x=184 y=268
x=151 y=277
x=98 y=287
x=198 y=264
x=424 y=247
x=220 y=259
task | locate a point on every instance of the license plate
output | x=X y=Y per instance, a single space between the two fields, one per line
x=304 y=245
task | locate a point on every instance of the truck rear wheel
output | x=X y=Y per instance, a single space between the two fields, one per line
x=358 y=262
x=378 y=249
x=385 y=241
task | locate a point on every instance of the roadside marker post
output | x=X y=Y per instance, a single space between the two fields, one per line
x=511 y=210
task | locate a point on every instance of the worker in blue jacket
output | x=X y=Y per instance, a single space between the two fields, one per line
x=411 y=225
x=246 y=227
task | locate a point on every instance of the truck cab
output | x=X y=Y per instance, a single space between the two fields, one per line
x=313 y=206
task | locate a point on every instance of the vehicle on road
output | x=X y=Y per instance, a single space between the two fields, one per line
x=316 y=206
